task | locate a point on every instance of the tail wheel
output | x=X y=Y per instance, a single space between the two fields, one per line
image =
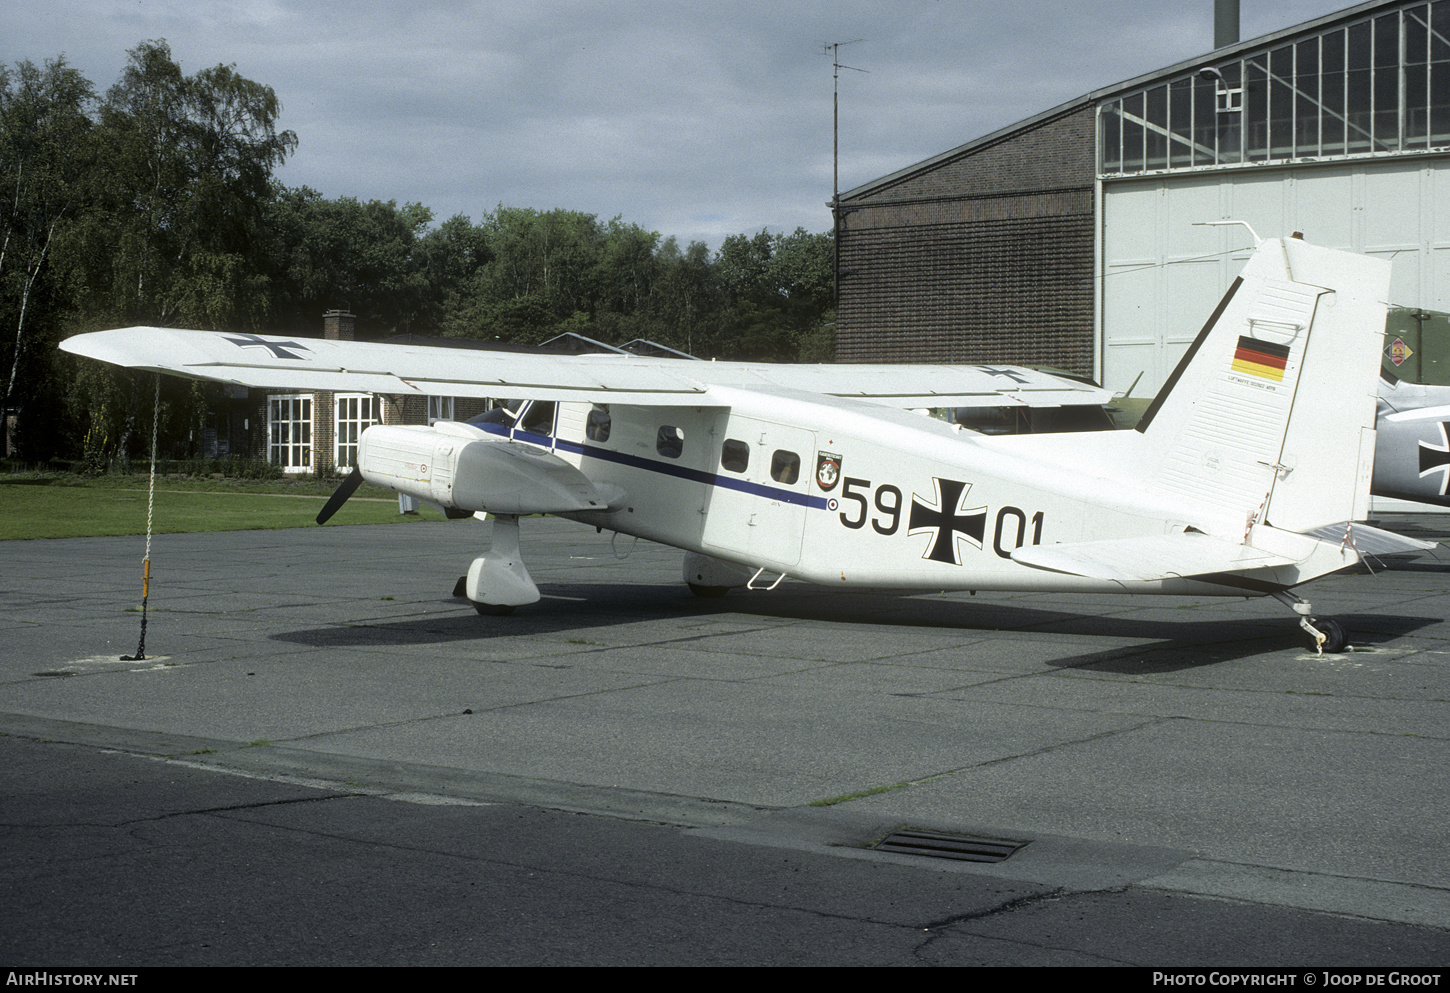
x=1335 y=639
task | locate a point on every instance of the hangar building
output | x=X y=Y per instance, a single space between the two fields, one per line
x=1075 y=238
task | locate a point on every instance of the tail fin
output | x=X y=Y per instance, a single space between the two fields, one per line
x=1270 y=415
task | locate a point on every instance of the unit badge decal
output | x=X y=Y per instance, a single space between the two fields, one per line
x=1398 y=352
x=828 y=470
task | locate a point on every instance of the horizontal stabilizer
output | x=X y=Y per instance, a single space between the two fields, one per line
x=1370 y=541
x=1168 y=556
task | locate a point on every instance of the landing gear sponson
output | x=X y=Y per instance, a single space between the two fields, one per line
x=498 y=580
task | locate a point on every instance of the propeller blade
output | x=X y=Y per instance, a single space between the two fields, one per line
x=339 y=496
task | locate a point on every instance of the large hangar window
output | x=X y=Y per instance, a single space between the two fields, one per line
x=1377 y=85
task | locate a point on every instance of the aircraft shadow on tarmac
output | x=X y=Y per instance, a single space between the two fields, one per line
x=1172 y=645
x=1423 y=563
x=1197 y=644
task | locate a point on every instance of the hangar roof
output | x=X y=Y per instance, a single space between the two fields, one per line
x=1138 y=83
x=1241 y=48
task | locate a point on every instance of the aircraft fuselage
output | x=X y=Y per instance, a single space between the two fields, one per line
x=840 y=493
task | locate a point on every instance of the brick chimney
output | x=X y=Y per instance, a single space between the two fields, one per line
x=338 y=325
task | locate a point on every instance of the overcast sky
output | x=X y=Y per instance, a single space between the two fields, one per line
x=695 y=119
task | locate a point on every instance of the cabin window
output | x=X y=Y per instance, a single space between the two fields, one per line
x=670 y=441
x=785 y=467
x=734 y=455
x=1073 y=417
x=597 y=428
x=988 y=420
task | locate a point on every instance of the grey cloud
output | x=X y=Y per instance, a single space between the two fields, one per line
x=696 y=119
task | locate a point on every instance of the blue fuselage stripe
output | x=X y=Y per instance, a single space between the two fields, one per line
x=663 y=468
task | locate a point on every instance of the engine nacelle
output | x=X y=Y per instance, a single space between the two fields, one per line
x=461 y=467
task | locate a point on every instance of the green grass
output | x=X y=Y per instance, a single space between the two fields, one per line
x=53 y=505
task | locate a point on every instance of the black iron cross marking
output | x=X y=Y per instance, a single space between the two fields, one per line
x=1434 y=458
x=278 y=348
x=947 y=520
x=1011 y=374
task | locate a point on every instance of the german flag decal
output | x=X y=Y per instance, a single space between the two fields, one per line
x=1261 y=358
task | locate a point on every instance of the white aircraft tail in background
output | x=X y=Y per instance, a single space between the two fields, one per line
x=1243 y=477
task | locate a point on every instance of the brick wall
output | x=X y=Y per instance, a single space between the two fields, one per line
x=982 y=257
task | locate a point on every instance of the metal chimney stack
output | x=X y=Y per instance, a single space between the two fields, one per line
x=1225 y=23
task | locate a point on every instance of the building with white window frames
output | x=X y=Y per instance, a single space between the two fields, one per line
x=318 y=432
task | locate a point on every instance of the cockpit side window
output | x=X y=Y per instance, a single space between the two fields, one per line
x=597 y=428
x=539 y=418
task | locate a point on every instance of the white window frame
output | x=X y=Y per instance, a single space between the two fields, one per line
x=352 y=414
x=440 y=409
x=289 y=431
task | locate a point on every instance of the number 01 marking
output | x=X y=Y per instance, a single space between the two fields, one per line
x=1003 y=516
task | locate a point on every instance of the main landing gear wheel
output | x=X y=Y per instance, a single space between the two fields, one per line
x=460 y=589
x=497 y=580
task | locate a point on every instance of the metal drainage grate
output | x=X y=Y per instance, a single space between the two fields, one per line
x=948 y=846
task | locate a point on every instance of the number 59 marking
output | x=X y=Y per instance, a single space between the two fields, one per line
x=888 y=503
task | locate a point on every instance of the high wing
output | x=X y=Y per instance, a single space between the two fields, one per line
x=273 y=362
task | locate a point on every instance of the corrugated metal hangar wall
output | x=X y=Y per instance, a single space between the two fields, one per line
x=1162 y=275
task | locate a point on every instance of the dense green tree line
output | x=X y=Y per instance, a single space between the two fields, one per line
x=156 y=203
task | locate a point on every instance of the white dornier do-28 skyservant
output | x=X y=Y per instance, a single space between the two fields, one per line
x=1240 y=480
